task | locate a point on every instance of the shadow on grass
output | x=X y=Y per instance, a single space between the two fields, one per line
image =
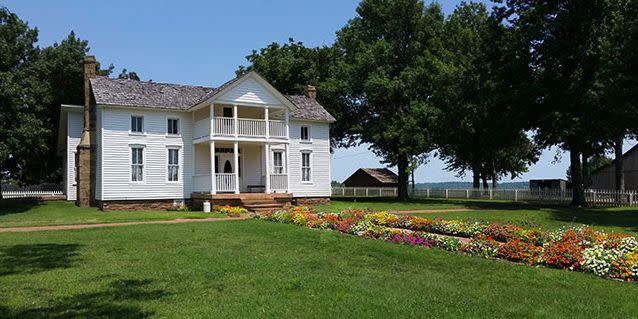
x=17 y=205
x=37 y=257
x=116 y=301
x=598 y=217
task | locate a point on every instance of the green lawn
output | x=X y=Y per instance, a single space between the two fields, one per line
x=13 y=214
x=255 y=268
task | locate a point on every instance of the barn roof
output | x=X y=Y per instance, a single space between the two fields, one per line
x=383 y=175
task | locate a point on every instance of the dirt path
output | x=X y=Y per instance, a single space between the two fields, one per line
x=84 y=226
x=430 y=211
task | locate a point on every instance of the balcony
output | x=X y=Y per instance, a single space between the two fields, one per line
x=255 y=128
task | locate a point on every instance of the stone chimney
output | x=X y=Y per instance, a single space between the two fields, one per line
x=84 y=157
x=311 y=92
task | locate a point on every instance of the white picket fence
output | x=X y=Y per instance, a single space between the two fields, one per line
x=592 y=197
x=33 y=191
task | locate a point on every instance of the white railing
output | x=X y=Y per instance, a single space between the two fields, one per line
x=550 y=196
x=201 y=129
x=31 y=194
x=251 y=127
x=201 y=183
x=279 y=182
x=224 y=126
x=277 y=128
x=225 y=182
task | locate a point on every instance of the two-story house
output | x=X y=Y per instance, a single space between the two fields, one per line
x=144 y=145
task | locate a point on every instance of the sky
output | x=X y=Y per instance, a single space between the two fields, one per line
x=203 y=43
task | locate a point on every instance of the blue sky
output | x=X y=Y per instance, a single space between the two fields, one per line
x=203 y=42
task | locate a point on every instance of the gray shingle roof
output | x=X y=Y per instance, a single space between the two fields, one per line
x=308 y=109
x=182 y=97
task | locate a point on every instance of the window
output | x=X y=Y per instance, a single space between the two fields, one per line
x=173 y=165
x=137 y=164
x=278 y=162
x=173 y=126
x=227 y=112
x=305 y=133
x=75 y=168
x=137 y=124
x=305 y=167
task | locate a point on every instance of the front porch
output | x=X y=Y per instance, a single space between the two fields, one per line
x=240 y=167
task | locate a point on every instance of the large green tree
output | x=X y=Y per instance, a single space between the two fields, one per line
x=481 y=128
x=390 y=51
x=564 y=39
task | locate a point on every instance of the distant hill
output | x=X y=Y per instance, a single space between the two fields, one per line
x=463 y=185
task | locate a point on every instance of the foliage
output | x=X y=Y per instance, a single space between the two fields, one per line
x=625 y=267
x=562 y=255
x=231 y=211
x=597 y=260
x=519 y=251
x=481 y=247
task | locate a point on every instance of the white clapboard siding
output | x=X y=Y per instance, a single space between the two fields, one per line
x=249 y=91
x=98 y=150
x=116 y=152
x=319 y=146
x=74 y=132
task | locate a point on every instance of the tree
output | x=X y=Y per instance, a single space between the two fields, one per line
x=390 y=55
x=563 y=38
x=480 y=127
x=292 y=66
x=20 y=126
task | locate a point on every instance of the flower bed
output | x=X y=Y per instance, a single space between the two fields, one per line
x=612 y=255
x=231 y=211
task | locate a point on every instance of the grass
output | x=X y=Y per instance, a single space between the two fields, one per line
x=32 y=213
x=254 y=268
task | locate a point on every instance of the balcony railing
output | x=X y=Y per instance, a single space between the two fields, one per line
x=225 y=126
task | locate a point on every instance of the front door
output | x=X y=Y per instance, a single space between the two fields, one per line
x=225 y=164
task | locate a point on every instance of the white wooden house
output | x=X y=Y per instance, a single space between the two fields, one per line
x=166 y=143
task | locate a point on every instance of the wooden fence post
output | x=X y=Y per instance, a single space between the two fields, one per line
x=446 y=194
x=491 y=195
x=343 y=191
x=367 y=191
x=594 y=198
x=467 y=194
x=516 y=195
x=427 y=192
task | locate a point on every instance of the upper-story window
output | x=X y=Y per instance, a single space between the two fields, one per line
x=173 y=126
x=305 y=133
x=137 y=124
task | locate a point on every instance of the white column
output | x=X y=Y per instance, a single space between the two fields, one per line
x=213 y=176
x=286 y=148
x=267 y=151
x=211 y=115
x=267 y=122
x=236 y=157
x=287 y=128
x=235 y=119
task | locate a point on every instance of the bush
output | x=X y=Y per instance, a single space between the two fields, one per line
x=563 y=255
x=625 y=267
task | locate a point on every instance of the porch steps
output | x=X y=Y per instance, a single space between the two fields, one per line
x=254 y=202
x=260 y=206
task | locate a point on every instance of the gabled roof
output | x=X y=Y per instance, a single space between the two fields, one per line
x=383 y=175
x=154 y=95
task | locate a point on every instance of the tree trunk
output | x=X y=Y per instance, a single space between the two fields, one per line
x=413 y=185
x=578 y=193
x=619 y=167
x=586 y=173
x=486 y=186
x=402 y=165
x=494 y=183
x=476 y=179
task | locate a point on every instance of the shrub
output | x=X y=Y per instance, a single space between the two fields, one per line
x=562 y=255
x=598 y=259
x=519 y=251
x=625 y=267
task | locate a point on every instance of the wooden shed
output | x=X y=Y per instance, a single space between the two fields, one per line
x=372 y=177
x=605 y=177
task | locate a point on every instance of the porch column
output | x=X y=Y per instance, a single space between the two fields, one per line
x=235 y=120
x=236 y=156
x=267 y=151
x=267 y=122
x=287 y=128
x=211 y=116
x=287 y=167
x=213 y=176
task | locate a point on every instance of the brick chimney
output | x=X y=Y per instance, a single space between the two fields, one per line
x=84 y=157
x=311 y=92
